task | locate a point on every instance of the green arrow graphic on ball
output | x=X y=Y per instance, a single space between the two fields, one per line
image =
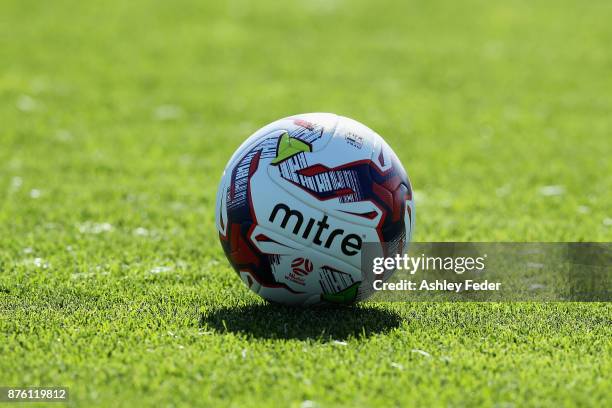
x=289 y=146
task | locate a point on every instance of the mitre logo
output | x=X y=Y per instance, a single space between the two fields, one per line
x=320 y=235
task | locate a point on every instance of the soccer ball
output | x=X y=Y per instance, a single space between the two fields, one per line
x=298 y=201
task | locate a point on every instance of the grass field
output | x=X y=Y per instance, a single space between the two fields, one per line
x=116 y=119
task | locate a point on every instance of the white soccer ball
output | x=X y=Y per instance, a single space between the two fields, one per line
x=298 y=201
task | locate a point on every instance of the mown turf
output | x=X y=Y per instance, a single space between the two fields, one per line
x=116 y=119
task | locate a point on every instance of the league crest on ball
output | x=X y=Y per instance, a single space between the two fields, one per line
x=297 y=202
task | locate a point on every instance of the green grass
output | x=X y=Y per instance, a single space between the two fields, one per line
x=116 y=119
